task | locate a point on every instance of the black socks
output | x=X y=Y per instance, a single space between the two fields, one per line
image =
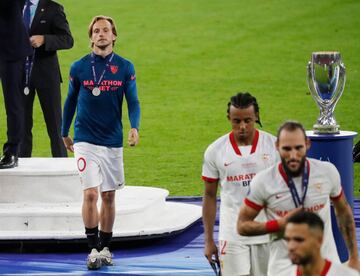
x=97 y=239
x=105 y=239
x=92 y=235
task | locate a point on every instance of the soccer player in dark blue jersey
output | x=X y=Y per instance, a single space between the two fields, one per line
x=98 y=83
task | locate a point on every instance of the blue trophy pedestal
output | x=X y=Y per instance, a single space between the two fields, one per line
x=337 y=149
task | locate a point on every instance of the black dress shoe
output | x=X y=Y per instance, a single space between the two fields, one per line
x=8 y=161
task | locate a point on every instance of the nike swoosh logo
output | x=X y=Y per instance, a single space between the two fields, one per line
x=228 y=164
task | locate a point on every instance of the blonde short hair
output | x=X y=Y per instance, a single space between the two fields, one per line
x=98 y=18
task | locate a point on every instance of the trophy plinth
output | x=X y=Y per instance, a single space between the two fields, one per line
x=326 y=129
x=326 y=80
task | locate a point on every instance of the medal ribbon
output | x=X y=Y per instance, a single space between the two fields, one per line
x=305 y=183
x=97 y=83
x=29 y=62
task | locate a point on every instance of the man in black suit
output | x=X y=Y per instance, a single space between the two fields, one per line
x=49 y=31
x=14 y=47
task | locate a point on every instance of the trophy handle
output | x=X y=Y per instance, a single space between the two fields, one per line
x=340 y=79
x=311 y=83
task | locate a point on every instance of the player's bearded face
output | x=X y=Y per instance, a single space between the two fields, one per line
x=292 y=147
x=294 y=167
x=302 y=243
x=300 y=260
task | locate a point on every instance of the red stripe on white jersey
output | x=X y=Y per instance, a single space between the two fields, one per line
x=235 y=145
x=336 y=198
x=208 y=179
x=323 y=272
x=255 y=141
x=252 y=204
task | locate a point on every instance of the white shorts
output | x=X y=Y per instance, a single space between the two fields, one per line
x=100 y=166
x=238 y=259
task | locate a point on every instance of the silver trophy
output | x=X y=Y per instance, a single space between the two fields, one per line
x=326 y=80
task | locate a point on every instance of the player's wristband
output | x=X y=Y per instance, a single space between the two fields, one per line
x=272 y=226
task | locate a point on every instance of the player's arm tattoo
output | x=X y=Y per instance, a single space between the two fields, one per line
x=346 y=224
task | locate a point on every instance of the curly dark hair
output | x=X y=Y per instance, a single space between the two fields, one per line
x=244 y=100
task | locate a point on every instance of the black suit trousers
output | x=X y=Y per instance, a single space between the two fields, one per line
x=11 y=73
x=50 y=101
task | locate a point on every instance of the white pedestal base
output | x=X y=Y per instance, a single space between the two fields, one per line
x=41 y=200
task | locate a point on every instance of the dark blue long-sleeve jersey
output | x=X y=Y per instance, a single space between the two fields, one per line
x=98 y=118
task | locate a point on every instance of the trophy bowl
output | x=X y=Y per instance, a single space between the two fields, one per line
x=326 y=81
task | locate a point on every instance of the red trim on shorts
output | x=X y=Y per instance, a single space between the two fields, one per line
x=235 y=146
x=77 y=162
x=208 y=179
x=223 y=248
x=323 y=272
x=252 y=204
x=336 y=198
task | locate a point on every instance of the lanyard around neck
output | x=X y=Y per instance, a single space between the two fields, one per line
x=29 y=62
x=299 y=202
x=98 y=82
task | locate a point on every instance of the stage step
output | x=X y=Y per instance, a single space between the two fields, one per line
x=46 y=205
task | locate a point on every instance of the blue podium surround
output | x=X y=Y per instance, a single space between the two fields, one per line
x=337 y=149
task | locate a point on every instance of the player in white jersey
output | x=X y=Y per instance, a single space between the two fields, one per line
x=304 y=233
x=295 y=184
x=232 y=161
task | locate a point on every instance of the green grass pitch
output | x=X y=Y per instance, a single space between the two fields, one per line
x=192 y=55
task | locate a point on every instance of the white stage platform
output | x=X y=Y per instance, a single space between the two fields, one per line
x=41 y=200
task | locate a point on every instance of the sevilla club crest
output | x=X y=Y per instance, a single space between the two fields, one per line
x=114 y=69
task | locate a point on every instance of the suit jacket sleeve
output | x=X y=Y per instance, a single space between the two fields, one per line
x=60 y=37
x=14 y=37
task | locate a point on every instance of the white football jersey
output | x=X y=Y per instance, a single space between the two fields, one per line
x=234 y=167
x=269 y=191
x=330 y=269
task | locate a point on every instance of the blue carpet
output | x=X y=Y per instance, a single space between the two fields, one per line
x=181 y=254
x=178 y=255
